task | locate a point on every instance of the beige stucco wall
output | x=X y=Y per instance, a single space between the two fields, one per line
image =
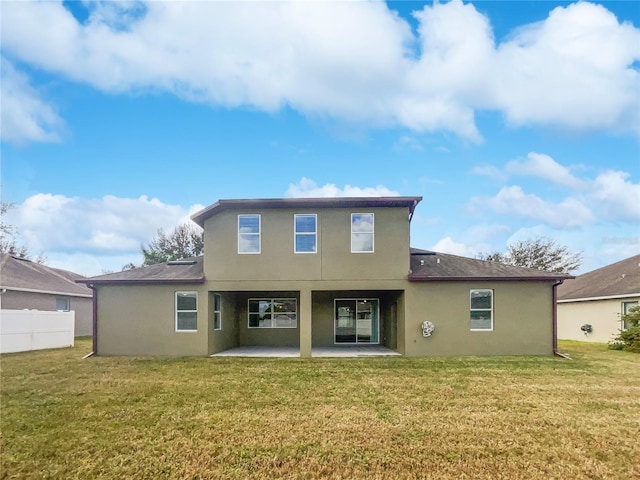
x=602 y=315
x=140 y=320
x=522 y=319
x=16 y=300
x=334 y=260
x=228 y=335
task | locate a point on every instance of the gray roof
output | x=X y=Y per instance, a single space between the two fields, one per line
x=24 y=275
x=332 y=202
x=188 y=270
x=425 y=266
x=434 y=266
x=617 y=279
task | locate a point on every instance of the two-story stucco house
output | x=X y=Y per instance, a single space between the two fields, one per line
x=321 y=272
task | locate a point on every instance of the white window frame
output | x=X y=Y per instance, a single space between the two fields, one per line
x=258 y=234
x=271 y=300
x=68 y=302
x=481 y=309
x=181 y=330
x=372 y=233
x=296 y=233
x=217 y=314
x=625 y=309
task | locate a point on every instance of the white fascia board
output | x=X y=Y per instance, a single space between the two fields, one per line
x=49 y=292
x=609 y=297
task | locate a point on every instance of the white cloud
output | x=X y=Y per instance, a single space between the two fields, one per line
x=618 y=197
x=408 y=142
x=545 y=167
x=24 y=115
x=90 y=231
x=574 y=70
x=486 y=232
x=355 y=62
x=448 y=245
x=513 y=201
x=308 y=188
x=609 y=197
x=490 y=171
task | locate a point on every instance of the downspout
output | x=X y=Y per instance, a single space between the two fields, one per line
x=94 y=337
x=555 y=320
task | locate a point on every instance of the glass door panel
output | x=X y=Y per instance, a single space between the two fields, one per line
x=357 y=321
x=345 y=321
x=363 y=322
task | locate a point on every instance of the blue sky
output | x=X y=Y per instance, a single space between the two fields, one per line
x=511 y=119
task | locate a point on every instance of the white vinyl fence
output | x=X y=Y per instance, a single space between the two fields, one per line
x=22 y=330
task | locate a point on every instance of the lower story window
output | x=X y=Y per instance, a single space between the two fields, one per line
x=273 y=313
x=481 y=310
x=217 y=312
x=62 y=304
x=626 y=307
x=186 y=311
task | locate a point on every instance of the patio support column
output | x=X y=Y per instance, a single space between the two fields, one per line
x=305 y=323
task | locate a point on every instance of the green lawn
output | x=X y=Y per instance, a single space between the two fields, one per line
x=376 y=418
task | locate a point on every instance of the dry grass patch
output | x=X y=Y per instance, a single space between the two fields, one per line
x=230 y=418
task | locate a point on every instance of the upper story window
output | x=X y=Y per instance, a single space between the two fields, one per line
x=62 y=304
x=481 y=310
x=361 y=232
x=306 y=233
x=248 y=233
x=186 y=311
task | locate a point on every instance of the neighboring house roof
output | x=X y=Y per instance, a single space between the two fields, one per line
x=20 y=274
x=433 y=266
x=339 y=202
x=620 y=279
x=188 y=270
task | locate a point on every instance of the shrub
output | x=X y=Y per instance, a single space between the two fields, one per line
x=629 y=339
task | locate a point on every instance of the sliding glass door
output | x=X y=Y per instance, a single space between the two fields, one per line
x=357 y=320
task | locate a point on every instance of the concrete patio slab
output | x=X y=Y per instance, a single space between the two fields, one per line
x=279 y=352
x=288 y=352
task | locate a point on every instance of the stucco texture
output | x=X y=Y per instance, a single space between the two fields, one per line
x=522 y=324
x=604 y=316
x=333 y=261
x=140 y=320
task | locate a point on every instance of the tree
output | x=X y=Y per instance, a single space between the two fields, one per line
x=540 y=253
x=185 y=241
x=8 y=243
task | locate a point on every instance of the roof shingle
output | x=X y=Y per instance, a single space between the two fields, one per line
x=620 y=278
x=188 y=270
x=433 y=266
x=21 y=274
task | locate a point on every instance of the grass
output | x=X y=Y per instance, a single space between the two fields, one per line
x=374 y=418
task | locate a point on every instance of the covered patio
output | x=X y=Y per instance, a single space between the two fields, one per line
x=291 y=352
